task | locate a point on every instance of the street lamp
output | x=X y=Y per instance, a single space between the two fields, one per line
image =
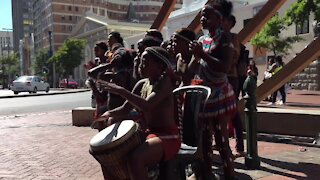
x=54 y=64
x=8 y=50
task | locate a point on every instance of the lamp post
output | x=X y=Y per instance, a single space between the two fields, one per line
x=8 y=39
x=54 y=64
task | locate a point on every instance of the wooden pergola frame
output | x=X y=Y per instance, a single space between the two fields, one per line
x=297 y=64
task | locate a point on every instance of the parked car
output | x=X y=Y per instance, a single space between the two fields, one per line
x=31 y=84
x=71 y=84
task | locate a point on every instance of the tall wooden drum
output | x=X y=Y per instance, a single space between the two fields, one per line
x=111 y=146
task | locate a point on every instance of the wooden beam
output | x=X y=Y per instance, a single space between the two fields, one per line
x=255 y=24
x=295 y=66
x=163 y=15
x=195 y=25
x=258 y=21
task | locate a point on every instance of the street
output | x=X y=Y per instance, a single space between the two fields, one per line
x=39 y=104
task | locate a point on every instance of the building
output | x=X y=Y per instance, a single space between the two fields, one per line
x=21 y=21
x=60 y=17
x=136 y=11
x=94 y=28
x=6 y=41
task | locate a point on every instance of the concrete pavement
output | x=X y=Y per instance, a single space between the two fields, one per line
x=5 y=93
x=46 y=146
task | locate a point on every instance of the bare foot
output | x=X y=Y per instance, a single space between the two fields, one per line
x=237 y=154
x=192 y=177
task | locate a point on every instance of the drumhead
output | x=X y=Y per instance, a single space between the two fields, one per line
x=113 y=135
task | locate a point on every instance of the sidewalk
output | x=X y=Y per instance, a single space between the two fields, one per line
x=5 y=93
x=46 y=146
x=299 y=99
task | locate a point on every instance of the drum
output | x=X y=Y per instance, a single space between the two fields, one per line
x=111 y=146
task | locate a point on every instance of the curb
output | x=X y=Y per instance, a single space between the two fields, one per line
x=63 y=91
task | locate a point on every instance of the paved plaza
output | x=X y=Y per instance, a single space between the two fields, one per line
x=47 y=146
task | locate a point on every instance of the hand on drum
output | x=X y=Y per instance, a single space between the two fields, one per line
x=106 y=117
x=111 y=87
x=196 y=48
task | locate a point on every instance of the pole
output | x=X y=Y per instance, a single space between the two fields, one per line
x=252 y=160
x=54 y=64
x=2 y=67
x=8 y=51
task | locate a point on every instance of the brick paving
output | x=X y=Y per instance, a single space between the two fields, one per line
x=299 y=99
x=46 y=146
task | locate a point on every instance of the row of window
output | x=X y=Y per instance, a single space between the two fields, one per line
x=137 y=7
x=4 y=40
x=302 y=28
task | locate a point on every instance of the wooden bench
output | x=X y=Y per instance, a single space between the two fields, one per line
x=82 y=116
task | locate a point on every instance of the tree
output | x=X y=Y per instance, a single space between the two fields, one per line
x=270 y=37
x=9 y=67
x=300 y=10
x=69 y=56
x=41 y=62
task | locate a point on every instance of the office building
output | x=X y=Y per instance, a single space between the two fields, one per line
x=21 y=21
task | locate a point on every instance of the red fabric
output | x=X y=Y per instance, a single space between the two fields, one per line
x=170 y=146
x=230 y=128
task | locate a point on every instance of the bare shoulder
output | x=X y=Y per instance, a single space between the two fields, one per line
x=226 y=40
x=166 y=84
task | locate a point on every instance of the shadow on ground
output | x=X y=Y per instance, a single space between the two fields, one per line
x=298 y=171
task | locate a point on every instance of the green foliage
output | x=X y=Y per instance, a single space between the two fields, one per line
x=300 y=10
x=270 y=37
x=10 y=64
x=69 y=56
x=41 y=61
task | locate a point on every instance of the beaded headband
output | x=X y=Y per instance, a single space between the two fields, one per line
x=214 y=9
x=158 y=55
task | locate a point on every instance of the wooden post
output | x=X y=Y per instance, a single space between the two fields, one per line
x=163 y=15
x=296 y=65
x=258 y=21
x=195 y=24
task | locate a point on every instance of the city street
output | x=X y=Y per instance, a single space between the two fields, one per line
x=39 y=104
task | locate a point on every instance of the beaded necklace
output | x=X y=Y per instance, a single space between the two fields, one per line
x=148 y=88
x=210 y=43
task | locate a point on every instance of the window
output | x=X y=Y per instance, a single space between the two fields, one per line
x=63 y=18
x=70 y=18
x=77 y=8
x=302 y=28
x=69 y=8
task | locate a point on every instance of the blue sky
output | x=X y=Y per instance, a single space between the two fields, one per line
x=5 y=14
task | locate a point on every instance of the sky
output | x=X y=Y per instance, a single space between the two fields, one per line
x=5 y=14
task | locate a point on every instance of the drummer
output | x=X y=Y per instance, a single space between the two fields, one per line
x=152 y=97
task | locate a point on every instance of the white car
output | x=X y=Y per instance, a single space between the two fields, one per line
x=30 y=84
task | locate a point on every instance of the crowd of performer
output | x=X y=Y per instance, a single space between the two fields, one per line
x=138 y=85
